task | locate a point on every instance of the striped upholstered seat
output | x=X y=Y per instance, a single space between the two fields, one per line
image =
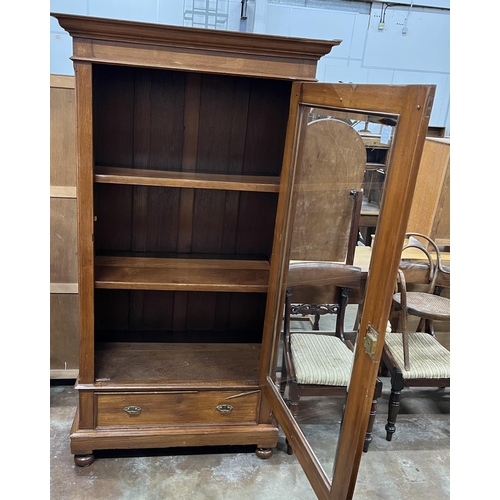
x=321 y=359
x=429 y=367
x=429 y=359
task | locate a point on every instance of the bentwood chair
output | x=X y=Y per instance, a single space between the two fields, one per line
x=413 y=357
x=426 y=304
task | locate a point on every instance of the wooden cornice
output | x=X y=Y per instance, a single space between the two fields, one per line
x=185 y=37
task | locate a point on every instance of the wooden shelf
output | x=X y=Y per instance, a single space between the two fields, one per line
x=373 y=141
x=143 y=177
x=178 y=365
x=375 y=166
x=215 y=275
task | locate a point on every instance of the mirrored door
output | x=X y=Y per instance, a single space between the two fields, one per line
x=335 y=286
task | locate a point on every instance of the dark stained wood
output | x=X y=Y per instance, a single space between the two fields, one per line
x=113 y=115
x=222 y=123
x=151 y=315
x=114 y=210
x=255 y=224
x=189 y=156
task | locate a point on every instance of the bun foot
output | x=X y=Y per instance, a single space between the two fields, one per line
x=84 y=460
x=264 y=452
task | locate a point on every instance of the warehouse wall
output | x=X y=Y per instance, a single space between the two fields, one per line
x=413 y=46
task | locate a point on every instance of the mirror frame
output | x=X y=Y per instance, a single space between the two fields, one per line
x=412 y=105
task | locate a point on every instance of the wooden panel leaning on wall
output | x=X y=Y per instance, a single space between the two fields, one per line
x=430 y=210
x=63 y=255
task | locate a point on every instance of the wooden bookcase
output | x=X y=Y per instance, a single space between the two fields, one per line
x=181 y=171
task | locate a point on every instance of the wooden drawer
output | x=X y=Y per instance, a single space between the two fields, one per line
x=177 y=408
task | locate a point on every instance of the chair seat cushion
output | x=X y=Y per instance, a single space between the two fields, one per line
x=428 y=358
x=321 y=359
x=426 y=305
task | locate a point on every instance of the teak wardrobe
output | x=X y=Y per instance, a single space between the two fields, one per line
x=181 y=137
x=188 y=144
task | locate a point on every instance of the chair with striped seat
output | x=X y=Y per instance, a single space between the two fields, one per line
x=426 y=304
x=430 y=367
x=416 y=358
x=319 y=363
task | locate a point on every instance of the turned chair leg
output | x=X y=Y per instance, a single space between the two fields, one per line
x=373 y=412
x=397 y=384
x=284 y=375
x=294 y=398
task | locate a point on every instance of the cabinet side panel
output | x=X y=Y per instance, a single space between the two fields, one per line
x=85 y=219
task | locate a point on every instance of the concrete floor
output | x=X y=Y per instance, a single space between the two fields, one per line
x=415 y=465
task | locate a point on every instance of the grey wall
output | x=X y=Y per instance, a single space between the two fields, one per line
x=368 y=53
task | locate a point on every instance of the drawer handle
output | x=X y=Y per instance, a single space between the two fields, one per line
x=224 y=408
x=132 y=410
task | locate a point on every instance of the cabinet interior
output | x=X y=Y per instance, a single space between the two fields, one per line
x=186 y=181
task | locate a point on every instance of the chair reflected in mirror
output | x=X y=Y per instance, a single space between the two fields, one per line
x=319 y=363
x=328 y=196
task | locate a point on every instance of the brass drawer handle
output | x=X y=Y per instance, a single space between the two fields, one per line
x=224 y=408
x=132 y=410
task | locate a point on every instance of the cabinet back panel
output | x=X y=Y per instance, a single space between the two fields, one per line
x=137 y=315
x=160 y=119
x=266 y=127
x=147 y=219
x=113 y=115
x=222 y=124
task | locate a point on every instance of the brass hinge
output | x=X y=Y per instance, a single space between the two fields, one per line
x=370 y=341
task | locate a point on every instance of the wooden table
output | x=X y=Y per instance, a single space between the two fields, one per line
x=362 y=257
